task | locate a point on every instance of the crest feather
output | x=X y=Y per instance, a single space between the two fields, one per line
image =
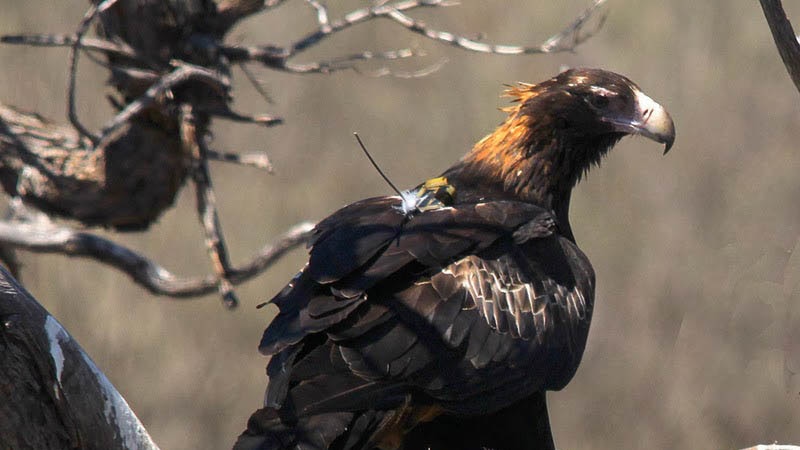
x=518 y=93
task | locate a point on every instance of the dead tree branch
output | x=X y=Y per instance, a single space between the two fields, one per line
x=83 y=27
x=566 y=40
x=257 y=160
x=279 y=58
x=182 y=74
x=46 y=237
x=124 y=183
x=276 y=57
x=192 y=138
x=171 y=70
x=785 y=38
x=64 y=40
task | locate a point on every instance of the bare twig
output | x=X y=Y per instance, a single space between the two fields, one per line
x=134 y=76
x=359 y=16
x=785 y=38
x=262 y=119
x=566 y=40
x=45 y=237
x=279 y=58
x=194 y=144
x=271 y=252
x=182 y=74
x=257 y=160
x=576 y=33
x=322 y=14
x=190 y=96
x=385 y=71
x=236 y=9
x=346 y=62
x=91 y=13
x=64 y=40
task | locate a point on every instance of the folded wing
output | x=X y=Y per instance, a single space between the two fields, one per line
x=452 y=309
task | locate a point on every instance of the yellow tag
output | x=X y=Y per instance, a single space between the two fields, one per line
x=435 y=193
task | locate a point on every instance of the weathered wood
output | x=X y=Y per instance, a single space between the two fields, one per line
x=45 y=237
x=784 y=36
x=52 y=396
x=127 y=177
x=165 y=56
x=125 y=183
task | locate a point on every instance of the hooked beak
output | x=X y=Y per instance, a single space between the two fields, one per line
x=650 y=120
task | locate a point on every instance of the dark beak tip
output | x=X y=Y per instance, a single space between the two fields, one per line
x=668 y=144
x=667 y=134
x=669 y=137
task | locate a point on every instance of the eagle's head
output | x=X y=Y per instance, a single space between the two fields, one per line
x=556 y=130
x=585 y=106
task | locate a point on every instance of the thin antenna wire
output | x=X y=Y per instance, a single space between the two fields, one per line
x=375 y=165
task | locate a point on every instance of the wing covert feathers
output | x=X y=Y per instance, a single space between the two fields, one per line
x=454 y=307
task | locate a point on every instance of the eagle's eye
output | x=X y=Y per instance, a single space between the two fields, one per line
x=599 y=101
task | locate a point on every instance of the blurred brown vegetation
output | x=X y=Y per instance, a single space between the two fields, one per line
x=694 y=342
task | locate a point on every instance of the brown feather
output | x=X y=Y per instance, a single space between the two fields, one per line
x=462 y=311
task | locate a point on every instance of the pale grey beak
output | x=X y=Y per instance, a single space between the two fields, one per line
x=650 y=120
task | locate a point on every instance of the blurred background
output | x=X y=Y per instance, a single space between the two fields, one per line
x=696 y=336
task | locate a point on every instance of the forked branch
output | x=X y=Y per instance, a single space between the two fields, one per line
x=279 y=58
x=193 y=141
x=69 y=40
x=46 y=237
x=169 y=87
x=182 y=74
x=91 y=13
x=566 y=40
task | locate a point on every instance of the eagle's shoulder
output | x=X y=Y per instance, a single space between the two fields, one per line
x=374 y=241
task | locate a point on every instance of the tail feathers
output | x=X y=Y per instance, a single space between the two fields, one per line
x=266 y=431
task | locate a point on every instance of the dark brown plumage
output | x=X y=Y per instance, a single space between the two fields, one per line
x=442 y=327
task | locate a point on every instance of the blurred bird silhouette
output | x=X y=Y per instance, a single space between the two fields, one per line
x=437 y=319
